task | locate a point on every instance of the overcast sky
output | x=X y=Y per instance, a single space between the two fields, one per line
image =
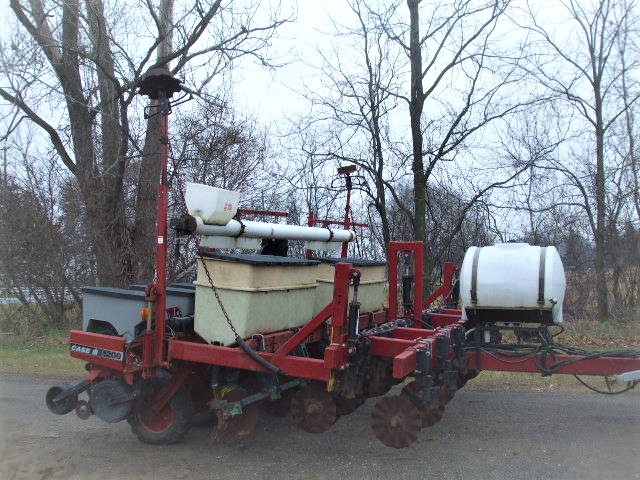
x=270 y=93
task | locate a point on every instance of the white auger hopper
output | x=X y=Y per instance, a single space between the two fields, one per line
x=215 y=206
x=512 y=282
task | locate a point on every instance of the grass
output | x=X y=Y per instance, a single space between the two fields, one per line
x=39 y=356
x=30 y=345
x=601 y=335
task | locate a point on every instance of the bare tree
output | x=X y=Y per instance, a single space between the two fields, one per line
x=71 y=56
x=307 y=170
x=214 y=145
x=45 y=256
x=455 y=39
x=585 y=68
x=355 y=106
x=461 y=82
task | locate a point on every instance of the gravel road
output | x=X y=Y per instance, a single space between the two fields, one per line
x=484 y=435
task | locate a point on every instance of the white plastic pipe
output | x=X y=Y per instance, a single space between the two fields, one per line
x=274 y=230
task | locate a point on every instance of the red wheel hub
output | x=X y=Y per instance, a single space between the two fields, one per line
x=157 y=422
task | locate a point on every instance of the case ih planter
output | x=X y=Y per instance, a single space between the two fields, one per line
x=158 y=373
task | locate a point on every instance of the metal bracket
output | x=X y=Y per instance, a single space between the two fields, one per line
x=241 y=243
x=330 y=246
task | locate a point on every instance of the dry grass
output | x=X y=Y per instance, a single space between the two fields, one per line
x=534 y=382
x=581 y=297
x=608 y=335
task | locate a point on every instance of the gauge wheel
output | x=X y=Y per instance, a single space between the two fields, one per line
x=60 y=407
x=167 y=426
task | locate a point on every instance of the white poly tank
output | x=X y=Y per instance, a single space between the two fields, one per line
x=512 y=282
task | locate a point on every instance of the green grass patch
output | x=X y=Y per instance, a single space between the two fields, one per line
x=31 y=344
x=41 y=356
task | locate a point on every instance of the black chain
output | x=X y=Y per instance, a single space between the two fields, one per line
x=204 y=263
x=215 y=292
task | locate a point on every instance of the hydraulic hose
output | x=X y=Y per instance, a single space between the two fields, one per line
x=257 y=358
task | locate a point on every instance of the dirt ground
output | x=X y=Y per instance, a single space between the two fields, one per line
x=484 y=435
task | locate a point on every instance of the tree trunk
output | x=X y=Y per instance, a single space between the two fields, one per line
x=106 y=210
x=415 y=112
x=144 y=232
x=381 y=207
x=108 y=236
x=600 y=192
x=416 y=106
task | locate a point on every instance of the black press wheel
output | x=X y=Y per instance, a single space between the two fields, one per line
x=167 y=426
x=60 y=407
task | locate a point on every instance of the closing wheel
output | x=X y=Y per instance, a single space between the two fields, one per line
x=61 y=406
x=278 y=408
x=236 y=425
x=463 y=378
x=446 y=395
x=111 y=400
x=431 y=412
x=396 y=421
x=167 y=426
x=313 y=409
x=345 y=406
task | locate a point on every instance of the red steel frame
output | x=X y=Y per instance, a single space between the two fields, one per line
x=161 y=245
x=602 y=366
x=415 y=248
x=153 y=340
x=446 y=289
x=336 y=354
x=347 y=209
x=347 y=223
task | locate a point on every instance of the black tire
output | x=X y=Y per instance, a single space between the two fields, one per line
x=171 y=424
x=64 y=406
x=103 y=328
